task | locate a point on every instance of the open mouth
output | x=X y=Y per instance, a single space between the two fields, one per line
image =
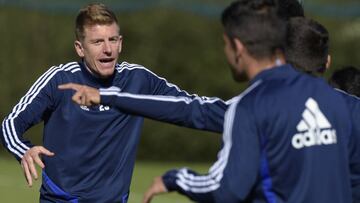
x=106 y=60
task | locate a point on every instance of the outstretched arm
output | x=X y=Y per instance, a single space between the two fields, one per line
x=196 y=112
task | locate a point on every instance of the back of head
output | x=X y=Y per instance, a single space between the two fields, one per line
x=347 y=79
x=256 y=24
x=287 y=9
x=307 y=45
x=93 y=14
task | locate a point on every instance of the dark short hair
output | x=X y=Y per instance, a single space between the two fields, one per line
x=256 y=24
x=287 y=9
x=93 y=14
x=307 y=45
x=347 y=79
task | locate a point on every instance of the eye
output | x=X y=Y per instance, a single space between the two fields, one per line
x=96 y=42
x=114 y=39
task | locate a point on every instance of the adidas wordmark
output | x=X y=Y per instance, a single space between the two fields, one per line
x=314 y=128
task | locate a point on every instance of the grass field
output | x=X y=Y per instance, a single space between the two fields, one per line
x=13 y=188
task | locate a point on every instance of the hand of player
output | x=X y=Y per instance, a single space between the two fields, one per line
x=84 y=95
x=27 y=162
x=157 y=187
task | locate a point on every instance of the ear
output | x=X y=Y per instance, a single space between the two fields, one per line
x=239 y=47
x=120 y=43
x=328 y=62
x=79 y=49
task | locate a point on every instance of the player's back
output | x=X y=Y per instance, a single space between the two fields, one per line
x=303 y=131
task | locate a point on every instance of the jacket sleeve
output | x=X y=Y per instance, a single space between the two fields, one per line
x=196 y=112
x=30 y=110
x=158 y=99
x=234 y=174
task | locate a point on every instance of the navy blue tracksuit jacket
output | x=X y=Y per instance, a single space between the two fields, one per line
x=285 y=139
x=94 y=146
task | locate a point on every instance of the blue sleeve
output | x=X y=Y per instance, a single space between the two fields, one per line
x=233 y=176
x=32 y=108
x=198 y=113
x=155 y=98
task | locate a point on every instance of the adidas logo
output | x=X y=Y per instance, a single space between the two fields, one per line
x=314 y=128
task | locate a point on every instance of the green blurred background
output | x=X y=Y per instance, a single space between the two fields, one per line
x=180 y=40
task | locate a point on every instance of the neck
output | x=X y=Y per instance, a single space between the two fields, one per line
x=254 y=66
x=92 y=72
x=96 y=76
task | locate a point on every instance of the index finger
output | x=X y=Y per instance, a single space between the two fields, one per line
x=72 y=86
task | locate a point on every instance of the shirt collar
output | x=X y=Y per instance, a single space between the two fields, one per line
x=96 y=80
x=281 y=71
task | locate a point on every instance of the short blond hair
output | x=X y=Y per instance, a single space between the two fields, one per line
x=93 y=14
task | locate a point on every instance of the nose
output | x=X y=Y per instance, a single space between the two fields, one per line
x=107 y=48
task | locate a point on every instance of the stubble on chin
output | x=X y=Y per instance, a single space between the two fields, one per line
x=238 y=76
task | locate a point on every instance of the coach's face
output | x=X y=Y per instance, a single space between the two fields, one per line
x=100 y=48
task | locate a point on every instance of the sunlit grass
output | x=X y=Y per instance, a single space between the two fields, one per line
x=13 y=186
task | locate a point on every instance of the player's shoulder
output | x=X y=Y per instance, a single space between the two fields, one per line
x=132 y=69
x=65 y=68
x=347 y=96
x=59 y=72
x=248 y=96
x=352 y=101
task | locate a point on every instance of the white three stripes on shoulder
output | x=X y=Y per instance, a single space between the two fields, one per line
x=11 y=138
x=211 y=181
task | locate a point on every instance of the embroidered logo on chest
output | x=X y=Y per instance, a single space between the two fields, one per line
x=99 y=108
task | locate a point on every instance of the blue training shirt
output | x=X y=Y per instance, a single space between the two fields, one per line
x=285 y=139
x=94 y=146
